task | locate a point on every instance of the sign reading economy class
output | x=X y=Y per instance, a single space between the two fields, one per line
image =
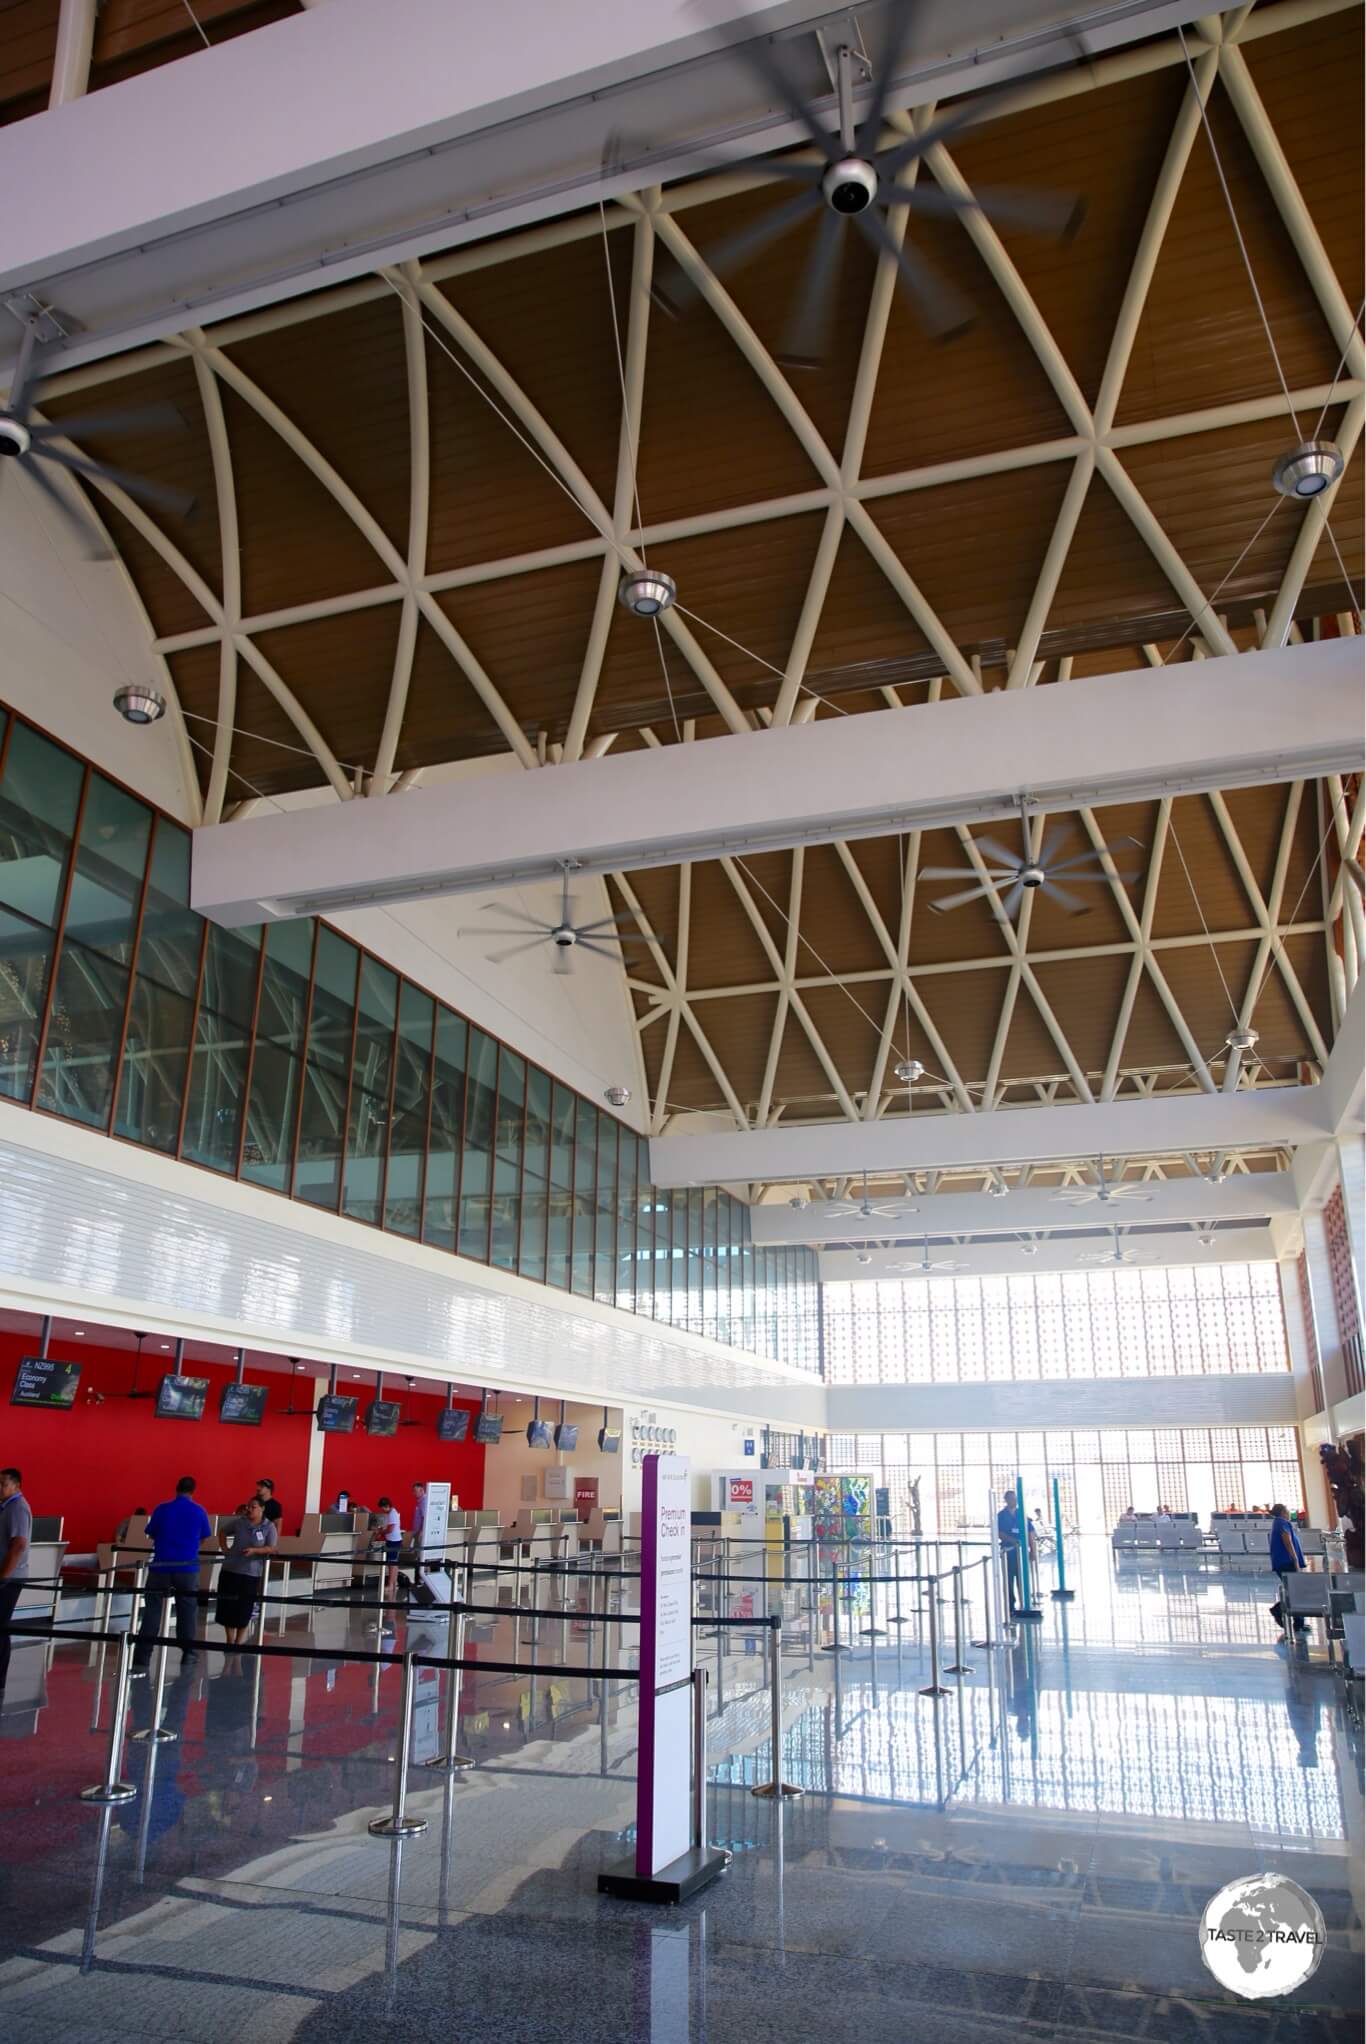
x=663 y=1784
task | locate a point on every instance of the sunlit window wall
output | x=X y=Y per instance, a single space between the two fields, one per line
x=295 y=1060
x=1174 y=1322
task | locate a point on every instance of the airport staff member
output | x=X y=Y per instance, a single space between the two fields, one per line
x=16 y=1532
x=1008 y=1531
x=177 y=1531
x=1287 y=1558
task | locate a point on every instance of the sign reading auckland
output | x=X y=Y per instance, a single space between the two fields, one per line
x=664 y=1780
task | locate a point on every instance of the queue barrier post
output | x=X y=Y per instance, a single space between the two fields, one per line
x=958 y=1666
x=155 y=1733
x=835 y=1646
x=934 y=1687
x=775 y=1786
x=1062 y=1595
x=113 y=1789
x=398 y=1824
x=986 y=1641
x=451 y=1760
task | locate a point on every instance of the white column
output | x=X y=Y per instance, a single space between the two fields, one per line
x=1325 y=1311
x=317 y=1441
x=1352 y=1169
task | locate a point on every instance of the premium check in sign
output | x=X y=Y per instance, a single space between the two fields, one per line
x=664 y=1786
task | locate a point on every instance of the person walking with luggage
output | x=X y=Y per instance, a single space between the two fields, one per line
x=1287 y=1558
x=177 y=1531
x=245 y=1540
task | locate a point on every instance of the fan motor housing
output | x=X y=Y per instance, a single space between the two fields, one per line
x=849 y=186
x=15 y=438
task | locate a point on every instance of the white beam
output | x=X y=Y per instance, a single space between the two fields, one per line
x=1261 y=1117
x=1008 y=1258
x=1243 y=1196
x=1292 y=713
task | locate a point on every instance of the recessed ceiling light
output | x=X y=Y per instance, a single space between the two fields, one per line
x=138 y=704
x=1308 y=470
x=647 y=592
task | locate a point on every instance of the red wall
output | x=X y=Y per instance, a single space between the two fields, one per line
x=95 y=1463
x=370 y=1468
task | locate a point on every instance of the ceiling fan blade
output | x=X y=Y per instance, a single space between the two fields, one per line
x=154 y=418
x=991 y=848
x=514 y=915
x=1052 y=840
x=806 y=340
x=1073 y=903
x=1092 y=852
x=760 y=55
x=951 y=901
x=757 y=234
x=563 y=960
x=497 y=957
x=1010 y=906
x=175 y=502
x=893 y=50
x=1085 y=879
x=984 y=106
x=1056 y=213
x=598 y=950
x=943 y=311
x=601 y=922
x=496 y=930
x=962 y=872
x=88 y=535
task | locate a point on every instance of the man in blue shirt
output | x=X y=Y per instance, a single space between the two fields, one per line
x=177 y=1531
x=1287 y=1558
x=1008 y=1531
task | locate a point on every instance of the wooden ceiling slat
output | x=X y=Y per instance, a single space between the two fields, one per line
x=1296 y=74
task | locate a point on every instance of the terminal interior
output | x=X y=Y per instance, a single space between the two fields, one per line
x=682 y=1041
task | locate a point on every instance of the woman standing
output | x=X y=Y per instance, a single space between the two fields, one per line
x=245 y=1540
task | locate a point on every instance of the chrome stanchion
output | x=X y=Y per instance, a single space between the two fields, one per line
x=261 y=1603
x=451 y=1760
x=896 y=1618
x=155 y=1733
x=872 y=1630
x=398 y=1824
x=986 y=1641
x=112 y=1789
x=958 y=1666
x=835 y=1646
x=775 y=1786
x=934 y=1687
x=138 y=1598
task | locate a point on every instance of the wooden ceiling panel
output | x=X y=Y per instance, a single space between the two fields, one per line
x=1106 y=147
x=693 y=1085
x=724 y=948
x=195 y=675
x=747 y=584
x=340 y=669
x=181 y=460
x=932 y=401
x=1200 y=888
x=529 y=634
x=1085 y=995
x=849 y=1022
x=342 y=378
x=864 y=625
x=739 y=1030
x=1207 y=983
x=445 y=718
x=1109 y=573
x=656 y=890
x=964 y=1007
x=1152 y=1042
x=1213 y=498
x=1030 y=1052
x=1199 y=331
x=1294 y=72
x=969 y=931
x=298 y=545
x=979 y=587
x=802 y=1080
x=837 y=935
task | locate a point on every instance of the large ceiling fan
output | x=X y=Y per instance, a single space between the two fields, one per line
x=1111 y=1258
x=865 y=1210
x=565 y=936
x=1103 y=1193
x=927 y=1267
x=854 y=179
x=1011 y=878
x=31 y=445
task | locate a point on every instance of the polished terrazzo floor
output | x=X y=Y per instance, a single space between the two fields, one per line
x=1025 y=1858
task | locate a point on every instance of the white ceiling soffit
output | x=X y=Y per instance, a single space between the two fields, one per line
x=1251 y=1196
x=353 y=135
x=1007 y=1257
x=1293 y=713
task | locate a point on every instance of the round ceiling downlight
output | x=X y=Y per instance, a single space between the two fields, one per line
x=647 y=592
x=617 y=1096
x=1241 y=1039
x=908 y=1070
x=1308 y=470
x=137 y=704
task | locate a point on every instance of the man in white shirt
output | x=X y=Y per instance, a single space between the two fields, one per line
x=390 y=1531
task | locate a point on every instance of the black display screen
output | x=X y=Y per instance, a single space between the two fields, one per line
x=609 y=1440
x=181 y=1397
x=566 y=1435
x=41 y=1380
x=538 y=1433
x=242 y=1405
x=454 y=1424
x=336 y=1415
x=488 y=1428
x=381 y=1416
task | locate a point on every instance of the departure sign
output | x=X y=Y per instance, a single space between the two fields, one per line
x=40 y=1380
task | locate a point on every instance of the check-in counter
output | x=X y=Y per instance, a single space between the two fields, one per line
x=134 y=1547
x=339 y=1537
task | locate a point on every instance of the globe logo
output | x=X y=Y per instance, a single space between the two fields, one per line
x=1262 y=1936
